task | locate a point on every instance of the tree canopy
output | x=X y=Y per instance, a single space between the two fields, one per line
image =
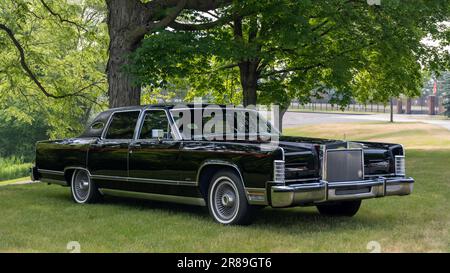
x=298 y=50
x=52 y=69
x=58 y=56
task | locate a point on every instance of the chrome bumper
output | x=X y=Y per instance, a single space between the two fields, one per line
x=34 y=173
x=323 y=191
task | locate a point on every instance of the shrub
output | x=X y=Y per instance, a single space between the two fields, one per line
x=13 y=167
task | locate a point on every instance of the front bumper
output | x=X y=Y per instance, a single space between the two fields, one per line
x=323 y=191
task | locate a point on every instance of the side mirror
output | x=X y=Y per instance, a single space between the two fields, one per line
x=157 y=133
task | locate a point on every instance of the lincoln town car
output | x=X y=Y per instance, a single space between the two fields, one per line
x=209 y=156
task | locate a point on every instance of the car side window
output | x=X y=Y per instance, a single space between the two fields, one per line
x=156 y=125
x=122 y=125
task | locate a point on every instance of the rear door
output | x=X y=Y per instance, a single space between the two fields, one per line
x=108 y=157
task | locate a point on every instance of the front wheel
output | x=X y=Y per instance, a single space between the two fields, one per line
x=344 y=208
x=227 y=202
x=83 y=189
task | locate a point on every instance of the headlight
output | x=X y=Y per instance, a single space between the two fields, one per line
x=278 y=171
x=400 y=165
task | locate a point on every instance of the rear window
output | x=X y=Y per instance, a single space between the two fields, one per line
x=122 y=125
x=95 y=128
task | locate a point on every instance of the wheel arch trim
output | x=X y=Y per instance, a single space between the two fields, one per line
x=216 y=162
x=74 y=168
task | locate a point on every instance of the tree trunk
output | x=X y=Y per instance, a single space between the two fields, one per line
x=249 y=81
x=283 y=109
x=121 y=17
x=391 y=102
x=128 y=22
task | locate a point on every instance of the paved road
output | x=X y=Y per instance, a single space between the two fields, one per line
x=295 y=119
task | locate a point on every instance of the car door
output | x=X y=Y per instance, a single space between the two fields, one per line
x=153 y=157
x=108 y=157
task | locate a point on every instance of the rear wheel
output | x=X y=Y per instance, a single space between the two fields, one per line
x=344 y=208
x=83 y=189
x=227 y=202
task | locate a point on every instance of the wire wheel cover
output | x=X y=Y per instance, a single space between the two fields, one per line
x=81 y=185
x=226 y=200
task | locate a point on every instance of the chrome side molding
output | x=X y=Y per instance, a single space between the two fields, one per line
x=155 y=197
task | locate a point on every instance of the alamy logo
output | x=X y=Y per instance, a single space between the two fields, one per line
x=374 y=2
x=214 y=122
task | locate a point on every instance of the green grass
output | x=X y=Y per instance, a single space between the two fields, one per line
x=41 y=218
x=14 y=181
x=13 y=167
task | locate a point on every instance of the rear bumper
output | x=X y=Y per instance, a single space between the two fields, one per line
x=323 y=191
x=34 y=173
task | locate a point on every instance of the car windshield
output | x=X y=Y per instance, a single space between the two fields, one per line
x=222 y=123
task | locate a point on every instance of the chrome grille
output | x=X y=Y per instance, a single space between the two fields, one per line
x=400 y=165
x=344 y=165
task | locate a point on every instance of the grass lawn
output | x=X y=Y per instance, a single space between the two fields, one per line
x=39 y=218
x=17 y=180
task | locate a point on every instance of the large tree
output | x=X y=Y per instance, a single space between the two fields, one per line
x=128 y=23
x=52 y=67
x=281 y=50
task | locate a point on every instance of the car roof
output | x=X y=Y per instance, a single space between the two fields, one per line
x=165 y=106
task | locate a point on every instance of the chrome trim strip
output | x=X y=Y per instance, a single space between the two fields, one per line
x=256 y=196
x=283 y=153
x=108 y=177
x=355 y=183
x=218 y=162
x=302 y=179
x=162 y=181
x=50 y=172
x=155 y=197
x=76 y=168
x=224 y=163
x=54 y=181
x=144 y=180
x=379 y=175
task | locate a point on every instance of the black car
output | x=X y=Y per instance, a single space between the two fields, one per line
x=159 y=152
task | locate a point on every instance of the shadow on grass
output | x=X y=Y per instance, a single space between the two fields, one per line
x=287 y=221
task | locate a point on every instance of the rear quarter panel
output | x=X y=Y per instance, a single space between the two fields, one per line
x=56 y=155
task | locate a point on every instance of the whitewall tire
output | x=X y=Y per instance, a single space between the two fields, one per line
x=227 y=202
x=82 y=188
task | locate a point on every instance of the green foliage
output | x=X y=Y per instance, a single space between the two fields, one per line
x=67 y=53
x=304 y=49
x=13 y=167
x=18 y=133
x=185 y=61
x=446 y=104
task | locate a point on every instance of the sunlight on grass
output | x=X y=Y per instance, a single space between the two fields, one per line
x=411 y=135
x=17 y=180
